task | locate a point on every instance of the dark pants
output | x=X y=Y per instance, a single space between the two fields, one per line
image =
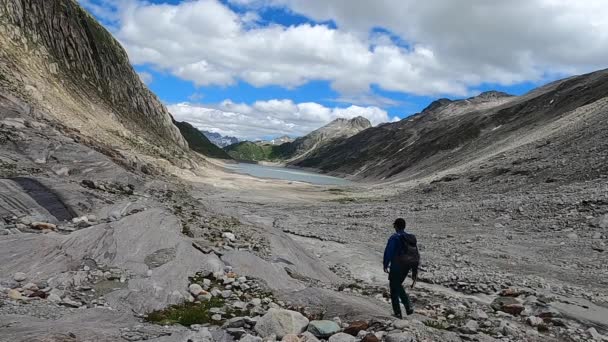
x=396 y=277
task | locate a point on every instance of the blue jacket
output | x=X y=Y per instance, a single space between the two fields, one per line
x=393 y=247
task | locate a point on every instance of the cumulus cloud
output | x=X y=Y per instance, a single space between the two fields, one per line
x=432 y=47
x=269 y=118
x=425 y=48
x=510 y=40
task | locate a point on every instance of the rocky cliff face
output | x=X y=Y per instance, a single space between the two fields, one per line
x=57 y=56
x=458 y=135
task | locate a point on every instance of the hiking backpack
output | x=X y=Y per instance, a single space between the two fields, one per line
x=410 y=257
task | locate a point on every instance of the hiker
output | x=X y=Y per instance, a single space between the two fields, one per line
x=400 y=256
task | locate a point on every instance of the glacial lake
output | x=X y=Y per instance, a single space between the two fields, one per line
x=275 y=172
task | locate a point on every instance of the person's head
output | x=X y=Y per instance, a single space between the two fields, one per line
x=399 y=224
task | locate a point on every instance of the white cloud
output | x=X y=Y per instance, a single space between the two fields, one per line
x=146 y=77
x=506 y=42
x=447 y=47
x=269 y=118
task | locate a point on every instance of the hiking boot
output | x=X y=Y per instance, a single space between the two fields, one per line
x=398 y=316
x=409 y=311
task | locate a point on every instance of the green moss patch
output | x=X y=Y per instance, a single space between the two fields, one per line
x=187 y=313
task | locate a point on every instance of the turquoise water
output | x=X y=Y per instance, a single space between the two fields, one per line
x=262 y=171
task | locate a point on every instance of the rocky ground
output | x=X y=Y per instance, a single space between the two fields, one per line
x=94 y=249
x=506 y=264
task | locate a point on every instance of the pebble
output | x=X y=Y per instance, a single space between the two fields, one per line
x=14 y=294
x=400 y=337
x=471 y=327
x=30 y=287
x=239 y=305
x=479 y=315
x=290 y=338
x=237 y=322
x=195 y=289
x=250 y=338
x=43 y=226
x=308 y=337
x=204 y=297
x=216 y=317
x=236 y=332
x=77 y=220
x=19 y=276
x=71 y=303
x=534 y=321
x=572 y=236
x=228 y=235
x=54 y=298
x=401 y=324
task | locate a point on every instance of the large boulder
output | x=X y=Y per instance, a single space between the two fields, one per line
x=281 y=322
x=290 y=338
x=508 y=304
x=355 y=327
x=370 y=338
x=308 y=337
x=341 y=337
x=250 y=338
x=400 y=337
x=324 y=328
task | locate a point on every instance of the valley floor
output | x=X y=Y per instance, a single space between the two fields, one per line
x=503 y=259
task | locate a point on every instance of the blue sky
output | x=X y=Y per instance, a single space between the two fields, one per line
x=264 y=68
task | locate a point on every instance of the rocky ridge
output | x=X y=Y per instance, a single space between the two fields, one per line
x=450 y=137
x=74 y=73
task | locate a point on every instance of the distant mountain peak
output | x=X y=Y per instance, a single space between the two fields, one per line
x=491 y=94
x=486 y=96
x=359 y=121
x=437 y=104
x=220 y=140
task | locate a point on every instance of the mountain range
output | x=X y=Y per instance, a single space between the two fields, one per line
x=220 y=140
x=558 y=121
x=291 y=151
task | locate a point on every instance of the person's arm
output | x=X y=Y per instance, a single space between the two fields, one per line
x=389 y=252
